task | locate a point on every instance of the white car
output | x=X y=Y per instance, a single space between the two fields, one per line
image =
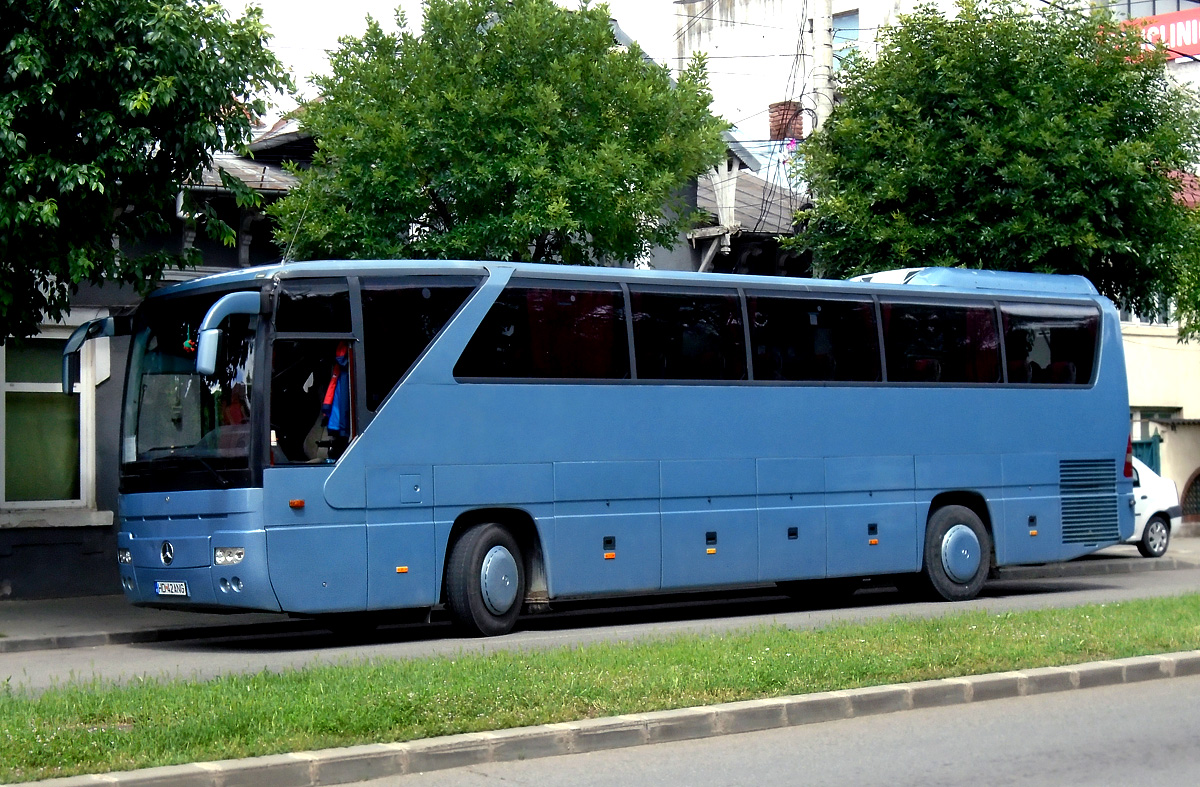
x=1156 y=510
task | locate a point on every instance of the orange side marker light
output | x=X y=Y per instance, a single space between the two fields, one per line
x=610 y=555
x=712 y=550
x=401 y=569
x=296 y=504
x=874 y=542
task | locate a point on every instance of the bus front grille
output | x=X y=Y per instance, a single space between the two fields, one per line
x=1089 y=500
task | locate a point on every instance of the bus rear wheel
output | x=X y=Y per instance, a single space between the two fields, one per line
x=485 y=581
x=958 y=553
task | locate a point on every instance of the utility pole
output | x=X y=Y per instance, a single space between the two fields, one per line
x=822 y=73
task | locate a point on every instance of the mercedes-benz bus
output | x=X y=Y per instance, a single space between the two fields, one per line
x=348 y=437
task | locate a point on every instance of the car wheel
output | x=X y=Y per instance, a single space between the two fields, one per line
x=1155 y=537
x=485 y=581
x=958 y=553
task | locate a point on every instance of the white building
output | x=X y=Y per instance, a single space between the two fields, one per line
x=761 y=68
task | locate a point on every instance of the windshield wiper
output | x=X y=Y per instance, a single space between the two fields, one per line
x=220 y=478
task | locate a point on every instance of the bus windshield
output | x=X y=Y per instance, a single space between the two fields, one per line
x=183 y=430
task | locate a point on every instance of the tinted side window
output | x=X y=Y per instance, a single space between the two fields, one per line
x=1049 y=343
x=400 y=319
x=808 y=339
x=688 y=336
x=551 y=332
x=946 y=344
x=313 y=305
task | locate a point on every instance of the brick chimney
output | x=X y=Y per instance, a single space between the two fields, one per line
x=787 y=120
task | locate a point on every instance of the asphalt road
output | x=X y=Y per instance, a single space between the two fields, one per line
x=1141 y=734
x=569 y=626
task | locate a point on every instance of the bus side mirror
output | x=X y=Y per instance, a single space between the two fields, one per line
x=209 y=338
x=104 y=326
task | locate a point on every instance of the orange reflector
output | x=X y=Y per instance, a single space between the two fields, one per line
x=401 y=569
x=295 y=504
x=610 y=555
x=873 y=542
x=1033 y=532
x=712 y=550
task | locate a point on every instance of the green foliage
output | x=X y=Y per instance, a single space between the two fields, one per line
x=1012 y=141
x=106 y=108
x=505 y=131
x=84 y=727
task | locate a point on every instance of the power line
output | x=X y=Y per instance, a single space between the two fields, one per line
x=694 y=19
x=736 y=21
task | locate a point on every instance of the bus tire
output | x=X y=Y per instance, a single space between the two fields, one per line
x=485 y=581
x=958 y=553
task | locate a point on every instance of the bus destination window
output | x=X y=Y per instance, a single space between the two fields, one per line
x=942 y=343
x=1050 y=344
x=550 y=332
x=805 y=339
x=688 y=336
x=400 y=319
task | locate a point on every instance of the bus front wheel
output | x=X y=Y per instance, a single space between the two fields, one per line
x=485 y=581
x=958 y=553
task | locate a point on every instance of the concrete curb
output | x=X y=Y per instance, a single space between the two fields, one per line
x=1086 y=567
x=374 y=761
x=163 y=634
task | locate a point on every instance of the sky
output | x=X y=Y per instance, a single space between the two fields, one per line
x=304 y=30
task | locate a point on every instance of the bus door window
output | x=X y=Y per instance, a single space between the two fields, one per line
x=312 y=412
x=312 y=372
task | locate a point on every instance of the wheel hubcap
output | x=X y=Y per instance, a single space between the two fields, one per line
x=1158 y=537
x=498 y=580
x=961 y=554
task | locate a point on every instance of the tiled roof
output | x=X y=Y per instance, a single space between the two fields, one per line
x=257 y=175
x=1189 y=189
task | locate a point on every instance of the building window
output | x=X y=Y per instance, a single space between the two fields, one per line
x=845 y=29
x=846 y=35
x=1137 y=9
x=42 y=427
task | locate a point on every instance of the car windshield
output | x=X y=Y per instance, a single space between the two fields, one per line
x=177 y=421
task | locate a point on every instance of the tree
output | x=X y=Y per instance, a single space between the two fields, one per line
x=514 y=131
x=1002 y=139
x=108 y=107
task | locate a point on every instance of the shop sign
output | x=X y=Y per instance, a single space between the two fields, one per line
x=1178 y=31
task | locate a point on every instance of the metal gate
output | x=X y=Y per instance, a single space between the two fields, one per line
x=1147 y=451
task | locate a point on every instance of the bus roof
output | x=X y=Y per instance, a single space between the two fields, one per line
x=959 y=279
x=971 y=279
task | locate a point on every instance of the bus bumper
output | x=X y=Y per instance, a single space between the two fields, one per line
x=207 y=554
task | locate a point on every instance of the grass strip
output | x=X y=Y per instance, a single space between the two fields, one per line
x=96 y=726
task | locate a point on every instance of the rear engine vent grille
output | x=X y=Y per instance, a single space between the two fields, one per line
x=1089 y=501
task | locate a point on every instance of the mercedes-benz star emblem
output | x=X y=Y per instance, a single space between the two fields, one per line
x=168 y=553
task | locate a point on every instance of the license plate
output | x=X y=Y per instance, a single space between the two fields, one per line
x=170 y=588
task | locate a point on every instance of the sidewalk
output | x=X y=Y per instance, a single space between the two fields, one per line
x=110 y=620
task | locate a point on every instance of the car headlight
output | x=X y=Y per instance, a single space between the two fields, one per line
x=229 y=556
x=124 y=557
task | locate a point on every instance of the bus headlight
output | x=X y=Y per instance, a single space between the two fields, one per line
x=229 y=556
x=124 y=557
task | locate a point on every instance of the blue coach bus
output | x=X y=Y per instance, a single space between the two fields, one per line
x=341 y=437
